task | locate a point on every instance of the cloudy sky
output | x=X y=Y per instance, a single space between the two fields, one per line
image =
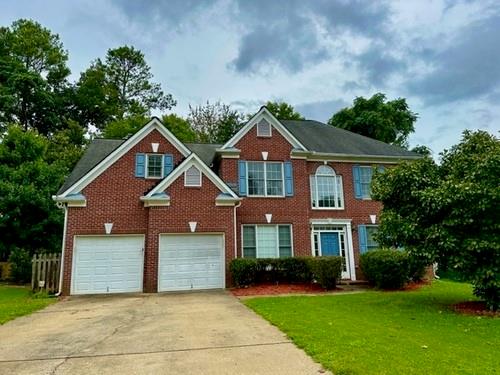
x=443 y=55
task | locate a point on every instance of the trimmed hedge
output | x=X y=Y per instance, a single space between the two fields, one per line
x=325 y=270
x=385 y=269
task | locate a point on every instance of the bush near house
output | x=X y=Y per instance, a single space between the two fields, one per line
x=385 y=268
x=324 y=270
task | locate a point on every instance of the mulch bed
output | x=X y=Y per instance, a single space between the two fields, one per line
x=276 y=289
x=474 y=308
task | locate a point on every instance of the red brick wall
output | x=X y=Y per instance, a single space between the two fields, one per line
x=113 y=197
x=187 y=204
x=295 y=210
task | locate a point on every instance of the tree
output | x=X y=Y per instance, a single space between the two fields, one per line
x=283 y=111
x=33 y=77
x=448 y=213
x=422 y=150
x=29 y=218
x=179 y=127
x=125 y=127
x=214 y=123
x=119 y=88
x=387 y=121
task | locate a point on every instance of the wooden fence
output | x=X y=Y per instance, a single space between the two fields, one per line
x=45 y=270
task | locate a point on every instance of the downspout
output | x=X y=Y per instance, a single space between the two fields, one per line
x=65 y=208
x=235 y=232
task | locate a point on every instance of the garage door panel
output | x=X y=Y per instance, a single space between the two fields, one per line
x=191 y=261
x=107 y=264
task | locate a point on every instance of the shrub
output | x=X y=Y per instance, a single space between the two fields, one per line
x=20 y=265
x=417 y=267
x=269 y=270
x=296 y=269
x=243 y=271
x=385 y=269
x=326 y=270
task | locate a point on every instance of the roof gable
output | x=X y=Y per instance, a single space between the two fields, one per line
x=91 y=173
x=264 y=113
x=191 y=160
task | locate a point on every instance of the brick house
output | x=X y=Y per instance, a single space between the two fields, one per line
x=153 y=214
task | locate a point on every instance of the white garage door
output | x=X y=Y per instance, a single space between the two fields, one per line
x=191 y=261
x=107 y=264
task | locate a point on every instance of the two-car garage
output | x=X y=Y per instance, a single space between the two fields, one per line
x=115 y=263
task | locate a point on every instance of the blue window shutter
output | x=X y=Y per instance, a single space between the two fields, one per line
x=242 y=177
x=362 y=239
x=140 y=165
x=357 y=182
x=288 y=179
x=168 y=164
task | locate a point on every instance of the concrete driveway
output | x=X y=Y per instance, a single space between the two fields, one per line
x=191 y=333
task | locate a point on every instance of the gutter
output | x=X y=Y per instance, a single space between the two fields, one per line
x=235 y=232
x=61 y=273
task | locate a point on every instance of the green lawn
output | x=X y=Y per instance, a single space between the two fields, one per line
x=17 y=301
x=389 y=332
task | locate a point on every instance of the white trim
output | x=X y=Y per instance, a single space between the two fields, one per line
x=223 y=234
x=192 y=159
x=154 y=124
x=264 y=113
x=72 y=288
x=336 y=157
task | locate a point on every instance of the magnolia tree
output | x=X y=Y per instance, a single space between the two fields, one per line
x=449 y=213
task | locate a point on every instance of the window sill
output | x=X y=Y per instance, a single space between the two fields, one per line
x=267 y=196
x=328 y=208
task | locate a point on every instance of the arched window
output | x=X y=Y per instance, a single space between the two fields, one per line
x=192 y=177
x=326 y=189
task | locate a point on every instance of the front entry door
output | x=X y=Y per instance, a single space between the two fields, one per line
x=330 y=243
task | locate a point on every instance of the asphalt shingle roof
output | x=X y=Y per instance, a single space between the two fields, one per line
x=314 y=135
x=97 y=151
x=320 y=137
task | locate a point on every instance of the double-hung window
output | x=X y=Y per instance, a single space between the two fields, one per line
x=326 y=189
x=367 y=240
x=267 y=241
x=265 y=179
x=154 y=166
x=365 y=180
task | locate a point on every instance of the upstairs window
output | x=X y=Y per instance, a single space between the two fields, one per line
x=362 y=175
x=326 y=189
x=154 y=166
x=192 y=177
x=263 y=128
x=265 y=179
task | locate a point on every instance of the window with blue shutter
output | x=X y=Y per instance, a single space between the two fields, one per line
x=356 y=174
x=168 y=164
x=288 y=179
x=242 y=177
x=362 y=239
x=140 y=165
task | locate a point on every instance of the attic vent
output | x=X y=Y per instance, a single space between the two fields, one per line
x=192 y=177
x=263 y=129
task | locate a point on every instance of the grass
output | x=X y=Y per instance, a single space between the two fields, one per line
x=16 y=301
x=412 y=332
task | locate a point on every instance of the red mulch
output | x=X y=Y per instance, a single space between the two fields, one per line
x=275 y=289
x=474 y=308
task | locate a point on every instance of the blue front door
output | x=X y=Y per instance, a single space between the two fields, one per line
x=329 y=243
